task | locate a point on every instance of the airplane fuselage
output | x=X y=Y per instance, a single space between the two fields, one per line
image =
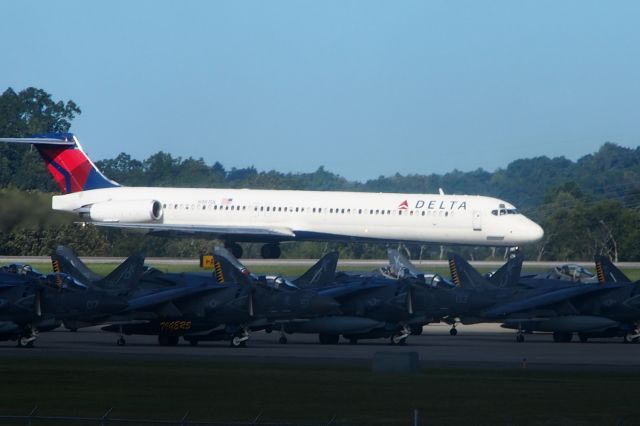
x=312 y=215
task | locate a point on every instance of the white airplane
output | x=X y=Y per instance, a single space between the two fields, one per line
x=273 y=216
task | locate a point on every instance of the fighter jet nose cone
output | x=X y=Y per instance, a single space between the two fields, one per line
x=323 y=304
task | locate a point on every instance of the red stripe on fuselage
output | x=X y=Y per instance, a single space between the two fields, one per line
x=71 y=160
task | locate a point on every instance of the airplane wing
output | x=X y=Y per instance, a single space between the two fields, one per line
x=546 y=299
x=162 y=229
x=348 y=290
x=165 y=296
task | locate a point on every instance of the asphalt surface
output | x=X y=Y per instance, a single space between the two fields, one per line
x=477 y=346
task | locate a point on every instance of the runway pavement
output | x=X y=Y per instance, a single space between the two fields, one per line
x=478 y=346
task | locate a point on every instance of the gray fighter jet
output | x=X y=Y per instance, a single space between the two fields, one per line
x=557 y=306
x=225 y=305
x=31 y=303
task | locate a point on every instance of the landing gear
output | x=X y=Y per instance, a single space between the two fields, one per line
x=27 y=339
x=270 y=251
x=120 y=341
x=239 y=340
x=234 y=248
x=453 y=331
x=400 y=338
x=520 y=334
x=283 y=340
x=632 y=337
x=583 y=337
x=25 y=342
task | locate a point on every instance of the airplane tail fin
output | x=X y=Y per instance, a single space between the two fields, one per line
x=66 y=261
x=71 y=168
x=228 y=269
x=125 y=277
x=606 y=271
x=320 y=274
x=509 y=273
x=464 y=275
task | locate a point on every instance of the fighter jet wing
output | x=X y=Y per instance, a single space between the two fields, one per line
x=165 y=296
x=162 y=229
x=349 y=290
x=547 y=298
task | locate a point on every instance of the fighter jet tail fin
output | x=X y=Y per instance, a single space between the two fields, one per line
x=608 y=272
x=65 y=260
x=125 y=277
x=320 y=274
x=509 y=273
x=464 y=275
x=67 y=162
x=227 y=269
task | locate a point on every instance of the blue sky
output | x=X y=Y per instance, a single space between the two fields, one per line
x=362 y=88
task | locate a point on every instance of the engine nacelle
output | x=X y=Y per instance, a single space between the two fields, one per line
x=138 y=211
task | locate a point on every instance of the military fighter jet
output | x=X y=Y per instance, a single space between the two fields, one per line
x=557 y=306
x=31 y=303
x=201 y=306
x=371 y=306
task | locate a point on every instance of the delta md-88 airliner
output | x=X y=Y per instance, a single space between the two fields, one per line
x=273 y=216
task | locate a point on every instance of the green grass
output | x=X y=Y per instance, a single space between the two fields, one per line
x=309 y=393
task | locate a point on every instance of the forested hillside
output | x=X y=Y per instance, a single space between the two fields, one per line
x=586 y=206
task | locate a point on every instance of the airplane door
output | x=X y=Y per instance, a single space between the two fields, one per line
x=477 y=220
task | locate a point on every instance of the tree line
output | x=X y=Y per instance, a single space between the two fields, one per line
x=587 y=207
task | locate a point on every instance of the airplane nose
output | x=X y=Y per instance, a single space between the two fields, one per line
x=536 y=232
x=323 y=305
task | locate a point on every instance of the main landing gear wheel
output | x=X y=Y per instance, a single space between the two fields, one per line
x=121 y=341
x=453 y=331
x=25 y=342
x=270 y=251
x=235 y=249
x=283 y=340
x=583 y=337
x=238 y=342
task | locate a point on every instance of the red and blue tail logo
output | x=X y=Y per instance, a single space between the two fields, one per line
x=69 y=165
